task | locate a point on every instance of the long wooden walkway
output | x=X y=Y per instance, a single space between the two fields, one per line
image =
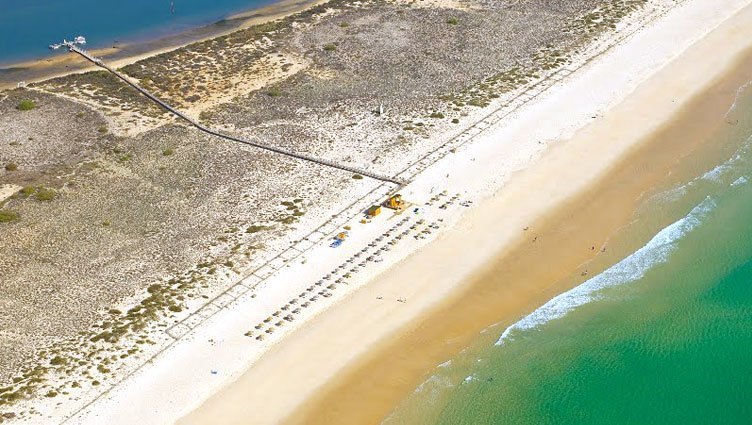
x=355 y=170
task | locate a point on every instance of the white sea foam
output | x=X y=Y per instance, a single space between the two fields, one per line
x=739 y=92
x=630 y=269
x=731 y=165
x=717 y=173
x=671 y=195
x=434 y=384
x=446 y=364
x=740 y=181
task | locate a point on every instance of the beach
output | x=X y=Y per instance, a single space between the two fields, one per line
x=542 y=182
x=157 y=274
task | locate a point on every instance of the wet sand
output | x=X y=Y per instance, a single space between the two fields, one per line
x=123 y=54
x=357 y=361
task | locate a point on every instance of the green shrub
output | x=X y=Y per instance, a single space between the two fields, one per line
x=255 y=228
x=41 y=193
x=11 y=166
x=168 y=152
x=44 y=194
x=437 y=115
x=452 y=21
x=357 y=176
x=57 y=361
x=330 y=47
x=26 y=105
x=274 y=92
x=8 y=216
x=344 y=24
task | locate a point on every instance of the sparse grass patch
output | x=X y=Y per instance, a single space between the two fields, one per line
x=57 y=361
x=124 y=158
x=41 y=193
x=44 y=194
x=255 y=228
x=26 y=105
x=8 y=216
x=11 y=166
x=26 y=191
x=274 y=92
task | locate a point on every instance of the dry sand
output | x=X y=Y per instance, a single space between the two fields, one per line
x=7 y=190
x=356 y=361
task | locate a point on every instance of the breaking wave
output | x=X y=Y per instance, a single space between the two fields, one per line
x=716 y=174
x=630 y=269
x=740 y=181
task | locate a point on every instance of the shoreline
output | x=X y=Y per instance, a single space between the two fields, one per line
x=341 y=398
x=36 y=70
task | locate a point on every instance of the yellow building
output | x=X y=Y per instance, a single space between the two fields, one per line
x=395 y=202
x=374 y=211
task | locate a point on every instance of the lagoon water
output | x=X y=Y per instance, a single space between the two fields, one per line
x=661 y=336
x=27 y=27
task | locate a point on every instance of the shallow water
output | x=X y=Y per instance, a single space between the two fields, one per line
x=660 y=336
x=27 y=27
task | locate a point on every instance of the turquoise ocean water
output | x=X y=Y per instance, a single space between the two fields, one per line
x=27 y=27
x=662 y=336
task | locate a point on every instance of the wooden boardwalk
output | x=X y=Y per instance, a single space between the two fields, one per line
x=310 y=158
